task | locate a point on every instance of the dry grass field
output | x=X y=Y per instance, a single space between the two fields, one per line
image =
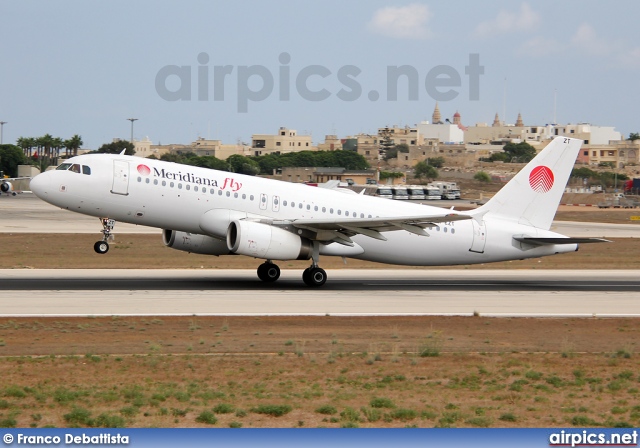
x=319 y=372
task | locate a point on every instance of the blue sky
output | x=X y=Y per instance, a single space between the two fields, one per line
x=82 y=67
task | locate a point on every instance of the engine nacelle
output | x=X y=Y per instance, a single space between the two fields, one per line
x=6 y=187
x=268 y=242
x=194 y=243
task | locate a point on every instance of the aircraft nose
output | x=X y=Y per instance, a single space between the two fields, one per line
x=39 y=185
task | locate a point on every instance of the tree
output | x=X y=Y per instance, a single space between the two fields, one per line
x=519 y=152
x=515 y=153
x=243 y=165
x=392 y=153
x=436 y=162
x=117 y=147
x=422 y=169
x=634 y=136
x=27 y=144
x=73 y=144
x=10 y=157
x=584 y=173
x=482 y=176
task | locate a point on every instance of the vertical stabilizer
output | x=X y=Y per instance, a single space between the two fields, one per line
x=533 y=195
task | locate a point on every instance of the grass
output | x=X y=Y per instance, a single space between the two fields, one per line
x=275 y=410
x=463 y=388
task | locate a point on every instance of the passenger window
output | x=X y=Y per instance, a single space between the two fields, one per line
x=235 y=195
x=139 y=179
x=308 y=207
x=244 y=196
x=284 y=203
x=346 y=213
x=171 y=184
x=324 y=209
x=155 y=181
x=188 y=187
x=315 y=208
x=86 y=170
x=300 y=205
x=194 y=188
x=339 y=212
x=219 y=192
x=179 y=186
x=147 y=180
x=331 y=211
x=251 y=198
x=164 y=183
x=228 y=193
x=362 y=215
x=293 y=204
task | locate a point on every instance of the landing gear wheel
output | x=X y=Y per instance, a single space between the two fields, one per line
x=268 y=272
x=101 y=247
x=314 y=276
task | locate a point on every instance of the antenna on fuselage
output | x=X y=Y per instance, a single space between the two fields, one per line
x=123 y=151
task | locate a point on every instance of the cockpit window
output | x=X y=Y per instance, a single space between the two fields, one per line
x=75 y=168
x=63 y=166
x=86 y=169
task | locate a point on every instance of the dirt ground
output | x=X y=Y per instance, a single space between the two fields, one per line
x=319 y=372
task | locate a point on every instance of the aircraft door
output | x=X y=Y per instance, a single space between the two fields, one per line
x=264 y=201
x=120 y=177
x=276 y=204
x=479 y=236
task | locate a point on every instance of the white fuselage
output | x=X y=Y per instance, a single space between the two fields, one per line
x=173 y=196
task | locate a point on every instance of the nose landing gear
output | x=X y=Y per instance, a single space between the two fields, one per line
x=102 y=246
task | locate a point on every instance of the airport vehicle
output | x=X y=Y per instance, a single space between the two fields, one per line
x=448 y=190
x=400 y=193
x=432 y=193
x=218 y=213
x=416 y=192
x=384 y=192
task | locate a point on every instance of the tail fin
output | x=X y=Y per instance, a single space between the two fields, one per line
x=533 y=195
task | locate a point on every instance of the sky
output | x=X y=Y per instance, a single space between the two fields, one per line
x=229 y=69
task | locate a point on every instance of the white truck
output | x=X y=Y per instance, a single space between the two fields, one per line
x=448 y=190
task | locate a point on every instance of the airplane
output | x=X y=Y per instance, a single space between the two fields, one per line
x=218 y=213
x=6 y=185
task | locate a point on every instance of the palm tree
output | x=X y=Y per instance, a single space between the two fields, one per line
x=27 y=144
x=44 y=143
x=73 y=144
x=56 y=144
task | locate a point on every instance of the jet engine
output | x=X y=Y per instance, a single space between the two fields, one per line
x=6 y=187
x=194 y=243
x=259 y=240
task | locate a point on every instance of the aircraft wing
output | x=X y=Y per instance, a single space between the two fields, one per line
x=340 y=230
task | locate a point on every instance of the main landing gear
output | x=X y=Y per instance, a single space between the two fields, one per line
x=102 y=246
x=313 y=276
x=268 y=272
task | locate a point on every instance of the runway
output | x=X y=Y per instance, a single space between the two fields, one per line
x=347 y=292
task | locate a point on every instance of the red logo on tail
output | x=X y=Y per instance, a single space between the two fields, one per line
x=541 y=179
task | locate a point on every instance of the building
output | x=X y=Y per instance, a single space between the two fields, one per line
x=286 y=140
x=321 y=175
x=449 y=132
x=202 y=147
x=617 y=154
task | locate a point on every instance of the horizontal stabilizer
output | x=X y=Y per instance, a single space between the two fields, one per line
x=551 y=241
